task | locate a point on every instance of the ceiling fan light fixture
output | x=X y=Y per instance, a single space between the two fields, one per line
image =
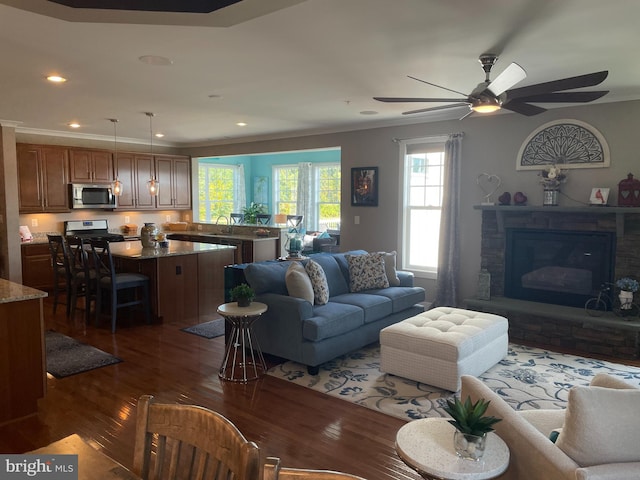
x=486 y=105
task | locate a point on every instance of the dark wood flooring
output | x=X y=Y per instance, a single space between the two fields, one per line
x=304 y=428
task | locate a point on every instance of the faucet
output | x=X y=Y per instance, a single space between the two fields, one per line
x=229 y=228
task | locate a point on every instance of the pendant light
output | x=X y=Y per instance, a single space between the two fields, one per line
x=117 y=184
x=153 y=184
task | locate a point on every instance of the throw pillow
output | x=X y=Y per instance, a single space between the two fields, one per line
x=298 y=282
x=367 y=272
x=390 y=268
x=601 y=426
x=318 y=281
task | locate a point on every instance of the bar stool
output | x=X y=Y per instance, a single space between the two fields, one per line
x=82 y=276
x=110 y=280
x=61 y=269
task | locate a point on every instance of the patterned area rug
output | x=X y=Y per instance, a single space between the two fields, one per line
x=527 y=378
x=211 y=329
x=66 y=356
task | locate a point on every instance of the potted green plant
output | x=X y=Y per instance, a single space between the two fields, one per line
x=243 y=294
x=471 y=425
x=252 y=211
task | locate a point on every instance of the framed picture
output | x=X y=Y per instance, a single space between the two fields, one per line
x=261 y=190
x=364 y=187
x=599 y=196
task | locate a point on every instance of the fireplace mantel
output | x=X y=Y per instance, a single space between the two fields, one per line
x=619 y=212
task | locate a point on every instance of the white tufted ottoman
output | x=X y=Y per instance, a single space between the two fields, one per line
x=438 y=346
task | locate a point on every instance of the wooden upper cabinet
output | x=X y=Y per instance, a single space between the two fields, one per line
x=174 y=174
x=43 y=176
x=90 y=166
x=134 y=171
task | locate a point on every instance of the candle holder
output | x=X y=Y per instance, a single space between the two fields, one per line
x=294 y=245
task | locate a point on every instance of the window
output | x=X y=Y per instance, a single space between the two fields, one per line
x=423 y=168
x=216 y=188
x=285 y=190
x=321 y=205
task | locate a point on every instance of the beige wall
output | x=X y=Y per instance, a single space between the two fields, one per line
x=490 y=145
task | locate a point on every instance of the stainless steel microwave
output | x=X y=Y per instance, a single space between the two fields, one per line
x=92 y=196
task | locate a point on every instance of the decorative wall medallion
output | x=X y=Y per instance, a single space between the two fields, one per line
x=566 y=143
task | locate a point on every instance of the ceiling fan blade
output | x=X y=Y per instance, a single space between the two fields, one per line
x=565 y=97
x=511 y=75
x=434 y=85
x=523 y=108
x=588 y=80
x=414 y=99
x=433 y=109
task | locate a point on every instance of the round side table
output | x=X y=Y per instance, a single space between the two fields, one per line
x=243 y=360
x=426 y=445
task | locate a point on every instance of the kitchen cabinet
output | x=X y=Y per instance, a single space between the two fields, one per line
x=22 y=351
x=134 y=170
x=90 y=166
x=43 y=175
x=37 y=271
x=174 y=174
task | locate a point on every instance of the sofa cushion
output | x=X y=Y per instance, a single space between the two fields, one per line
x=330 y=320
x=401 y=297
x=601 y=426
x=335 y=278
x=298 y=282
x=267 y=277
x=367 y=272
x=390 y=268
x=375 y=307
x=318 y=282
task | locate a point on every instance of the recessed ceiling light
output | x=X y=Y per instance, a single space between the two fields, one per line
x=74 y=125
x=241 y=124
x=155 y=60
x=56 y=79
x=368 y=112
x=159 y=135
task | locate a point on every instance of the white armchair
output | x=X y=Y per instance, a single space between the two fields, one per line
x=533 y=455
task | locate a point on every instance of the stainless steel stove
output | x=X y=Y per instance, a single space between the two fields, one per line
x=91 y=229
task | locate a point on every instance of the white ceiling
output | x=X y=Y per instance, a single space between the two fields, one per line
x=307 y=66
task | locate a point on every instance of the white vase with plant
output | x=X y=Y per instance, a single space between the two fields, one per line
x=628 y=286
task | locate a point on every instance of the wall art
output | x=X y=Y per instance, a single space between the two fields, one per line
x=567 y=143
x=364 y=186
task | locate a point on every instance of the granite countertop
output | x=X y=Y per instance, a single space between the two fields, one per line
x=15 y=292
x=226 y=236
x=134 y=249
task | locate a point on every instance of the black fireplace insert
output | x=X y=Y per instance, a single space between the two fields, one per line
x=557 y=266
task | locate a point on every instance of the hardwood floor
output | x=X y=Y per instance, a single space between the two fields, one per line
x=304 y=428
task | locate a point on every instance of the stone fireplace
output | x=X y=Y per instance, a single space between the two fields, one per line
x=610 y=249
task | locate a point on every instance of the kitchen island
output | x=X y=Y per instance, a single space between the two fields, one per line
x=186 y=280
x=22 y=351
x=249 y=247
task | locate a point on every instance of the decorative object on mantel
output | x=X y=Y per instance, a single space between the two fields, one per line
x=599 y=196
x=520 y=199
x=628 y=286
x=569 y=143
x=471 y=425
x=551 y=178
x=629 y=192
x=505 y=199
x=489 y=184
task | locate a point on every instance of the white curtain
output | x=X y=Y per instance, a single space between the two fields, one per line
x=449 y=251
x=305 y=204
x=239 y=194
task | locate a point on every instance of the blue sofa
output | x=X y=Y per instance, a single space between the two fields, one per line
x=294 y=329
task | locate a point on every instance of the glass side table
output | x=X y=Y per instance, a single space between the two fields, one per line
x=426 y=445
x=243 y=360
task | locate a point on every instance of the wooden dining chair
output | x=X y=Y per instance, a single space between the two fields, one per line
x=189 y=442
x=83 y=278
x=263 y=218
x=109 y=280
x=273 y=471
x=61 y=269
x=236 y=218
x=294 y=223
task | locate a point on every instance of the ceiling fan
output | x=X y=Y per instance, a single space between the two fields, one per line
x=489 y=96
